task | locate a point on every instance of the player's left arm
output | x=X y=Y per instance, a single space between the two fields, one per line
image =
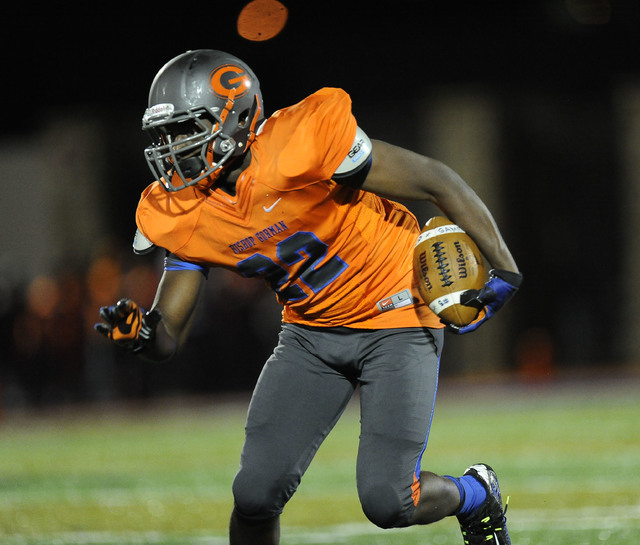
x=402 y=174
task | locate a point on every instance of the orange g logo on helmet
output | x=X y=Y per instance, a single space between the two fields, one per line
x=227 y=77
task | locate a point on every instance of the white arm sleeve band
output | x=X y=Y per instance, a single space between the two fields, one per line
x=358 y=155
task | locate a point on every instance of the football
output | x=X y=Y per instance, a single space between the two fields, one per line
x=446 y=263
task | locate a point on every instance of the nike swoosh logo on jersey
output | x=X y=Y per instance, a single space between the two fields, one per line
x=270 y=208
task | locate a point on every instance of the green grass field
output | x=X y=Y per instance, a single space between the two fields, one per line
x=567 y=455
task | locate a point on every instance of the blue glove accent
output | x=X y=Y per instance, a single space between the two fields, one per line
x=501 y=286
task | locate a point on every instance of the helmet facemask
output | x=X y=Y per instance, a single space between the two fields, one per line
x=183 y=144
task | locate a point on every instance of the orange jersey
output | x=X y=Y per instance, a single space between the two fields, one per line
x=335 y=256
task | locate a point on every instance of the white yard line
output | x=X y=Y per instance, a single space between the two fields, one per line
x=569 y=519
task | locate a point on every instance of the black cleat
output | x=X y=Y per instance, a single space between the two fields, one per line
x=487 y=525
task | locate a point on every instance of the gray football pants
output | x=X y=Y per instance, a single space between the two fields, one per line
x=303 y=389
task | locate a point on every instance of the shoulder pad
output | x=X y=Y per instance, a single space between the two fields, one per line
x=358 y=155
x=141 y=244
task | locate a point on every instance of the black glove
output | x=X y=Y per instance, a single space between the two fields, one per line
x=128 y=325
x=501 y=286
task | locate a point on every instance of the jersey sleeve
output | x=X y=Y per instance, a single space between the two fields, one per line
x=311 y=139
x=168 y=220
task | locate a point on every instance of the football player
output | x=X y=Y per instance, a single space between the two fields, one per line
x=304 y=200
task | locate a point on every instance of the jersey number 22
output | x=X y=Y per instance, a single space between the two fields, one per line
x=301 y=246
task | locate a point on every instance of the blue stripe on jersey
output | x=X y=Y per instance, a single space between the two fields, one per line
x=172 y=263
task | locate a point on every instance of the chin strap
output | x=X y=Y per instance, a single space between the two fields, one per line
x=257 y=114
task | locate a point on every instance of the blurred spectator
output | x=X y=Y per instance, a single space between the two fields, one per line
x=51 y=353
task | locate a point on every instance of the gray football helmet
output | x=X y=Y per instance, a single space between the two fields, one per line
x=204 y=110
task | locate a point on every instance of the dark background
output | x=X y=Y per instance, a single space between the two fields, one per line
x=56 y=56
x=553 y=68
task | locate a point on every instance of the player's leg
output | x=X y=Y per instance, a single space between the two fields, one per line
x=397 y=402
x=481 y=514
x=297 y=401
x=244 y=531
x=439 y=498
x=397 y=395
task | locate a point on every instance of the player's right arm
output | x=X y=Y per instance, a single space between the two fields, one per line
x=158 y=334
x=176 y=299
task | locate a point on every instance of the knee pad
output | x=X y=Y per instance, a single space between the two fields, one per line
x=257 y=500
x=385 y=506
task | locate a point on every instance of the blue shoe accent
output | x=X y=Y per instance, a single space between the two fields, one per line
x=487 y=524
